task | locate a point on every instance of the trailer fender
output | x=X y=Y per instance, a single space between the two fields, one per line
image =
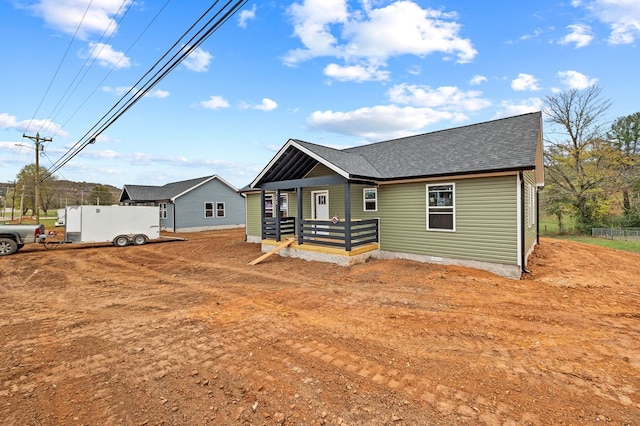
x=121 y=241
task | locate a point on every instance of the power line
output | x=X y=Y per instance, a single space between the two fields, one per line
x=134 y=94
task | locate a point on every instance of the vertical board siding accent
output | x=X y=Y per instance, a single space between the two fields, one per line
x=486 y=221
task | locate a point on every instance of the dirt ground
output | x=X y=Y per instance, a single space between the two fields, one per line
x=186 y=333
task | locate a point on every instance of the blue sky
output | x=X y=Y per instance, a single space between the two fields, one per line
x=334 y=72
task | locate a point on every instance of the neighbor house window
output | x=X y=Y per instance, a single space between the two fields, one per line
x=370 y=196
x=208 y=210
x=284 y=205
x=163 y=210
x=219 y=209
x=441 y=209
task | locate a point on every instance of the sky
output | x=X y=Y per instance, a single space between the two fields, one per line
x=333 y=72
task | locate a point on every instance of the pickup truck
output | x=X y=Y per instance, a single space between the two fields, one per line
x=14 y=237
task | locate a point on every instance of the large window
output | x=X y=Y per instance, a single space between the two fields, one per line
x=219 y=209
x=208 y=210
x=268 y=205
x=532 y=205
x=441 y=209
x=163 y=210
x=370 y=197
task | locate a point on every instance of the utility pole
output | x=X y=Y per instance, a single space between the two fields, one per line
x=37 y=140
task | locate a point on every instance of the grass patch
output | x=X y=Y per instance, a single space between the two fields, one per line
x=630 y=246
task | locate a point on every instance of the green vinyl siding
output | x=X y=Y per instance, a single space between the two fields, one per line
x=320 y=170
x=485 y=215
x=253 y=226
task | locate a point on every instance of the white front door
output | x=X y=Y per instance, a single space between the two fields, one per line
x=320 y=208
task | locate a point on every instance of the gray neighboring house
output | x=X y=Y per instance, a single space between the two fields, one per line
x=191 y=205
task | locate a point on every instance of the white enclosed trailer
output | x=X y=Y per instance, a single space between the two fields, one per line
x=120 y=225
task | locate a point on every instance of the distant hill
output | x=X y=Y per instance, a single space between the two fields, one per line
x=76 y=193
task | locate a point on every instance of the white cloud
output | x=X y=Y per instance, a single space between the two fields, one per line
x=198 y=60
x=357 y=73
x=448 y=98
x=246 y=15
x=215 y=102
x=266 y=105
x=477 y=79
x=11 y=123
x=378 y=122
x=124 y=90
x=371 y=36
x=623 y=17
x=580 y=35
x=105 y=56
x=525 y=82
x=576 y=80
x=509 y=108
x=97 y=17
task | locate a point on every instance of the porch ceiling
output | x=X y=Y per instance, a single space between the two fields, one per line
x=291 y=165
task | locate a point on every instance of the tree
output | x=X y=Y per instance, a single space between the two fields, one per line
x=574 y=160
x=27 y=183
x=100 y=195
x=624 y=136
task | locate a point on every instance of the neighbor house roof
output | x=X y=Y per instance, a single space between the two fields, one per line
x=513 y=143
x=170 y=191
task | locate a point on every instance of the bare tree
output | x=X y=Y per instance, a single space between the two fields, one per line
x=572 y=156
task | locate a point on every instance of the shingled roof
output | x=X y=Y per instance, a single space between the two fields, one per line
x=511 y=143
x=170 y=191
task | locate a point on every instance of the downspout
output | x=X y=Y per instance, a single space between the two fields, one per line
x=523 y=255
x=537 y=215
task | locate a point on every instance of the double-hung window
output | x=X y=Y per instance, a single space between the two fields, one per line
x=283 y=205
x=370 y=199
x=163 y=210
x=208 y=210
x=219 y=209
x=441 y=207
x=532 y=205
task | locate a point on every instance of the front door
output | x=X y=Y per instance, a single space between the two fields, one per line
x=320 y=209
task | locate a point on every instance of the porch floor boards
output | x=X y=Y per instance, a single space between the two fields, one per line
x=307 y=246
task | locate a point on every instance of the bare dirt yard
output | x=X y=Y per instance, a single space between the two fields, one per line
x=186 y=333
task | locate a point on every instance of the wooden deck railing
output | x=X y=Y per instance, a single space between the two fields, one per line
x=325 y=232
x=270 y=225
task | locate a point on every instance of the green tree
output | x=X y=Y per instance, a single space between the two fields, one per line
x=26 y=182
x=624 y=136
x=100 y=195
x=574 y=153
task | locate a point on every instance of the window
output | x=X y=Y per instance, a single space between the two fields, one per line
x=441 y=207
x=532 y=206
x=208 y=210
x=219 y=209
x=163 y=210
x=284 y=205
x=370 y=199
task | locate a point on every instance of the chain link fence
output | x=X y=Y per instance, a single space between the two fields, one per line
x=621 y=234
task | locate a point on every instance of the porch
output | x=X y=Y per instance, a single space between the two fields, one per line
x=335 y=241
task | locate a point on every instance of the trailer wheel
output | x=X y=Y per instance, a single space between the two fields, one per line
x=121 y=241
x=7 y=246
x=139 y=240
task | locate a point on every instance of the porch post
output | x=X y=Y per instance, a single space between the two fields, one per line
x=347 y=216
x=262 y=199
x=299 y=230
x=276 y=213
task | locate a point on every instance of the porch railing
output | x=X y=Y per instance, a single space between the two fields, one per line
x=327 y=233
x=270 y=227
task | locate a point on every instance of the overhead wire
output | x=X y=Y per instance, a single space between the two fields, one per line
x=85 y=67
x=135 y=93
x=64 y=56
